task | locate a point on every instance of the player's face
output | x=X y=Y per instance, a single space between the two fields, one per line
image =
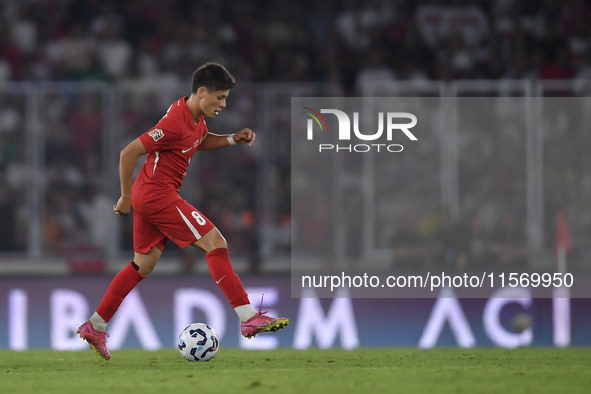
x=213 y=102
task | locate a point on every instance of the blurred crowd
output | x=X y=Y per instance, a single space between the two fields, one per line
x=344 y=41
x=150 y=48
x=471 y=244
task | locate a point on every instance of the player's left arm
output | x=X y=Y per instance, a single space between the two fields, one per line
x=216 y=141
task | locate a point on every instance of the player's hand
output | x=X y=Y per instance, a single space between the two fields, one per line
x=245 y=136
x=123 y=206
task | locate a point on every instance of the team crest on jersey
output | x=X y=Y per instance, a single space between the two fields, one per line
x=156 y=134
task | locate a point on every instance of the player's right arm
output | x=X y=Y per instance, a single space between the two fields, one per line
x=127 y=162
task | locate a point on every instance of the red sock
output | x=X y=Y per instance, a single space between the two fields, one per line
x=223 y=273
x=120 y=286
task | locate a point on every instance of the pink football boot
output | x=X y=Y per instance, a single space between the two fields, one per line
x=97 y=340
x=262 y=323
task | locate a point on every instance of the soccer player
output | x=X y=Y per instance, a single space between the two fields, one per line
x=160 y=214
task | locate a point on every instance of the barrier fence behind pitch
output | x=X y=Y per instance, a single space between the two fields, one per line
x=45 y=313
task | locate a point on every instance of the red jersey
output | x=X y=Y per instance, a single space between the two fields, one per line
x=170 y=144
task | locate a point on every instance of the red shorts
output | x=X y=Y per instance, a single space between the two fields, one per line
x=179 y=221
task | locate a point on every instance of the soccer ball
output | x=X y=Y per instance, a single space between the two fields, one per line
x=198 y=342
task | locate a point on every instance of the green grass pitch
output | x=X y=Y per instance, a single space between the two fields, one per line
x=383 y=370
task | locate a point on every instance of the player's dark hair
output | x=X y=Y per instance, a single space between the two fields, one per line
x=212 y=76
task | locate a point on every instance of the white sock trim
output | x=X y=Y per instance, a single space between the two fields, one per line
x=245 y=312
x=98 y=323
